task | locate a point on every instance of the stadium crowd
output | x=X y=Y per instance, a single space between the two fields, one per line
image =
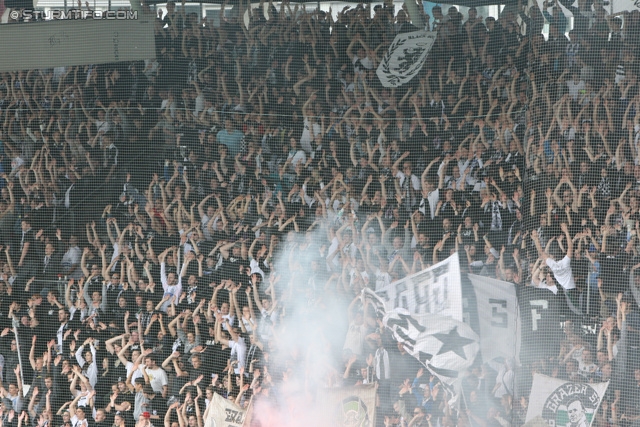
x=160 y=221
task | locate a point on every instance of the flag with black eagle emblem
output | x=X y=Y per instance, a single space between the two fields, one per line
x=405 y=57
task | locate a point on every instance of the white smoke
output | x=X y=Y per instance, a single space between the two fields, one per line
x=306 y=352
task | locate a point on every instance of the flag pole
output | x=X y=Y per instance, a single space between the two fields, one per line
x=25 y=387
x=249 y=413
x=464 y=400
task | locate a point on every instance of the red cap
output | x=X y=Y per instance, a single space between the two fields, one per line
x=146 y=415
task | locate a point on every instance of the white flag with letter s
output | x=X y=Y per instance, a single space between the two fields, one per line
x=564 y=403
x=405 y=57
x=498 y=316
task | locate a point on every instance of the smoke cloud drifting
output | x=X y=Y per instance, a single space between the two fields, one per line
x=305 y=354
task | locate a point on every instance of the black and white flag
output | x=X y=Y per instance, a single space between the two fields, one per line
x=424 y=313
x=435 y=290
x=405 y=57
x=442 y=344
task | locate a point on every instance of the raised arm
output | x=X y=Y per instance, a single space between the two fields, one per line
x=565 y=230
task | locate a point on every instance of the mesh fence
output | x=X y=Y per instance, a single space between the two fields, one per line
x=291 y=217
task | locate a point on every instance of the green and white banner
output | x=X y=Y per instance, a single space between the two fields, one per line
x=349 y=406
x=564 y=403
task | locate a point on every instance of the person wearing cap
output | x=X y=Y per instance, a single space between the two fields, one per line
x=145 y=419
x=154 y=408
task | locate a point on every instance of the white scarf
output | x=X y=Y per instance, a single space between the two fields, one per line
x=382 y=372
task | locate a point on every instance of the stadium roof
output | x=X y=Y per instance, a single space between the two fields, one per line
x=466 y=3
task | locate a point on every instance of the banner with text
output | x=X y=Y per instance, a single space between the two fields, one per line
x=559 y=402
x=223 y=412
x=436 y=290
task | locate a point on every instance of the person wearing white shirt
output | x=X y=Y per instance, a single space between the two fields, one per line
x=430 y=198
x=561 y=269
x=14 y=394
x=234 y=341
x=409 y=184
x=87 y=361
x=208 y=396
x=543 y=279
x=562 y=272
x=206 y=218
x=383 y=278
x=575 y=86
x=361 y=59
x=71 y=259
x=79 y=418
x=297 y=157
x=157 y=376
x=430 y=192
x=172 y=286
x=127 y=363
x=413 y=179
x=310 y=131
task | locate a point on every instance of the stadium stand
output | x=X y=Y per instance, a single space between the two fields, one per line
x=162 y=221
